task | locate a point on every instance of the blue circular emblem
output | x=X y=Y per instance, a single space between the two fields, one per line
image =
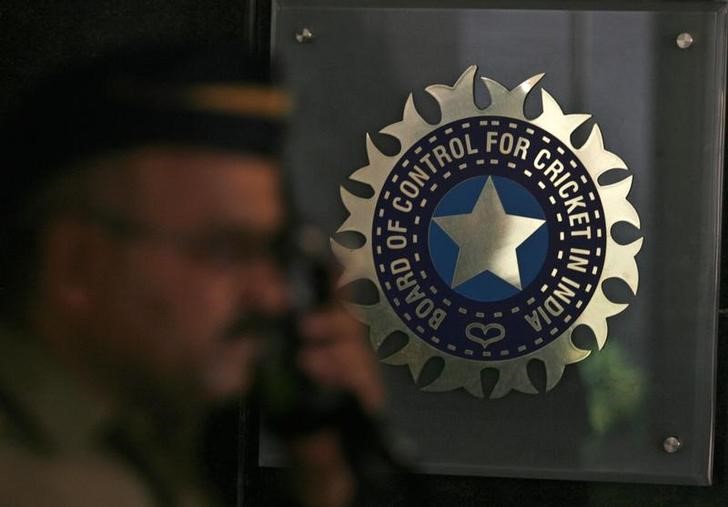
x=489 y=238
x=531 y=253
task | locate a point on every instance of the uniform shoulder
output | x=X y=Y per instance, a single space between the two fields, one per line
x=29 y=478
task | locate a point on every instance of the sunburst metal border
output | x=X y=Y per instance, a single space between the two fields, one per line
x=456 y=103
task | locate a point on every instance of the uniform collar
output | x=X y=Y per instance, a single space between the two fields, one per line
x=66 y=414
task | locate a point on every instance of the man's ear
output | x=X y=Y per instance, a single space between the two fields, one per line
x=73 y=265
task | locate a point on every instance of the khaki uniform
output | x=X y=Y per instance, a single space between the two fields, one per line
x=61 y=446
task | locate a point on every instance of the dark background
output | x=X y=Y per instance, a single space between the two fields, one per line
x=37 y=36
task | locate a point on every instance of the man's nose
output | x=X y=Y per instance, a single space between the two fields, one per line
x=267 y=287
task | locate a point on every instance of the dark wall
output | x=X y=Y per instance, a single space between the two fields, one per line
x=38 y=35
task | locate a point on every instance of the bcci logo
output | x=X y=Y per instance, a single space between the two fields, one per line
x=489 y=237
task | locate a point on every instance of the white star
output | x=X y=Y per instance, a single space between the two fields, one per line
x=488 y=238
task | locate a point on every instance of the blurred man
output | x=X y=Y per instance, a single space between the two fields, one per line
x=141 y=273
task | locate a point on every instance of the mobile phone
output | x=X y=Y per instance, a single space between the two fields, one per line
x=291 y=403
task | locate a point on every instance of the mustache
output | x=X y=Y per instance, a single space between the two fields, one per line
x=253 y=324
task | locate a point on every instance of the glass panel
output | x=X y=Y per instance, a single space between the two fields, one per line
x=659 y=108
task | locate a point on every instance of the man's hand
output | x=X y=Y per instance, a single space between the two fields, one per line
x=335 y=354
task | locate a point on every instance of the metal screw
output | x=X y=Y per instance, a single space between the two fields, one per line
x=304 y=36
x=684 y=40
x=671 y=445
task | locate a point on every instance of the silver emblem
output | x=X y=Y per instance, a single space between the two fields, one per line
x=488 y=238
